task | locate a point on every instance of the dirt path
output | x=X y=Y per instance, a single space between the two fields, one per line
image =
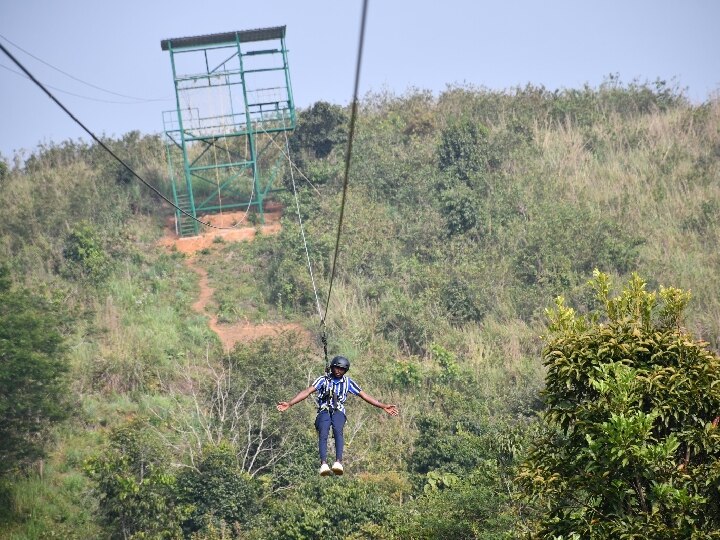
x=241 y=231
x=229 y=334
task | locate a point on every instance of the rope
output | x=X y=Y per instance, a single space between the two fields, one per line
x=217 y=181
x=302 y=232
x=348 y=155
x=292 y=163
x=323 y=338
x=252 y=182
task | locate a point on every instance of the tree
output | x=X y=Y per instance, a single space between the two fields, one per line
x=218 y=492
x=465 y=161
x=473 y=506
x=630 y=446
x=350 y=508
x=137 y=494
x=319 y=129
x=464 y=153
x=32 y=374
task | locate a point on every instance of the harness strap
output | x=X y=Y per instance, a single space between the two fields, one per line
x=329 y=397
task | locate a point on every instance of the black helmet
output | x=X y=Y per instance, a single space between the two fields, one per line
x=341 y=362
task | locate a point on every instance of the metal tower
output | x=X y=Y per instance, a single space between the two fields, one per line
x=233 y=99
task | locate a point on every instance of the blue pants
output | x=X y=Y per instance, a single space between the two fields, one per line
x=323 y=421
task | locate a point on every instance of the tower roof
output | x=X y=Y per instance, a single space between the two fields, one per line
x=243 y=36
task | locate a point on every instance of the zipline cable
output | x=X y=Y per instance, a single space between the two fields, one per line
x=348 y=154
x=80 y=80
x=102 y=144
x=99 y=100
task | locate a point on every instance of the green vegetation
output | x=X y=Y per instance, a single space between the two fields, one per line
x=467 y=214
x=630 y=445
x=32 y=369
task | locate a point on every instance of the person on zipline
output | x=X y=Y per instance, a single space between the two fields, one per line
x=332 y=391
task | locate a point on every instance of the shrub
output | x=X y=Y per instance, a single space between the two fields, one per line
x=333 y=510
x=403 y=320
x=474 y=506
x=217 y=490
x=33 y=387
x=84 y=254
x=463 y=151
x=137 y=493
x=319 y=129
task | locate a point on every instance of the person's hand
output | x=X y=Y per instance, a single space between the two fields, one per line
x=283 y=406
x=392 y=410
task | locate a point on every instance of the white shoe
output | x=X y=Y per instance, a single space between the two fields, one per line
x=337 y=468
x=325 y=470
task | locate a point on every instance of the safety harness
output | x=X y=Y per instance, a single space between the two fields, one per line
x=328 y=399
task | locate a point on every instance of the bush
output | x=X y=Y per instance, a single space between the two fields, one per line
x=84 y=254
x=464 y=153
x=332 y=510
x=476 y=506
x=217 y=491
x=33 y=387
x=137 y=493
x=403 y=320
x=320 y=128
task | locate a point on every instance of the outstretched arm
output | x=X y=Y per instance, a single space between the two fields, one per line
x=285 y=405
x=392 y=410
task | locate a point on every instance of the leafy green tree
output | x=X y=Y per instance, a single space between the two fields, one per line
x=218 y=490
x=463 y=300
x=405 y=320
x=458 y=435
x=33 y=387
x=463 y=152
x=319 y=129
x=589 y=241
x=288 y=284
x=443 y=446
x=630 y=446
x=476 y=506
x=460 y=206
x=469 y=158
x=333 y=510
x=137 y=495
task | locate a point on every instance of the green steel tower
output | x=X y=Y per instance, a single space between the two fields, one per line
x=234 y=100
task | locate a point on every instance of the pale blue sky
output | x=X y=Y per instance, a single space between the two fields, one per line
x=409 y=44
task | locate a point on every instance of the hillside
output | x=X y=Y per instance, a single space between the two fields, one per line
x=467 y=214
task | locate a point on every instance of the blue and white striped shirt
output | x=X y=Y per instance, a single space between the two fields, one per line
x=339 y=388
